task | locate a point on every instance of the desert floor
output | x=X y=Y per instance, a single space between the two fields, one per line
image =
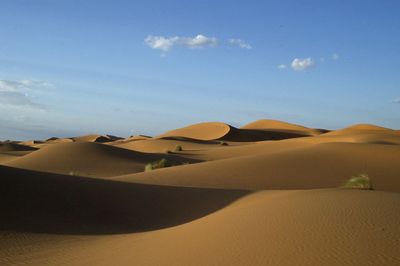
x=268 y=193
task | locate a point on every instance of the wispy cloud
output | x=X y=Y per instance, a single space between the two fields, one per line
x=240 y=43
x=299 y=64
x=396 y=100
x=281 y=66
x=335 y=56
x=17 y=93
x=167 y=43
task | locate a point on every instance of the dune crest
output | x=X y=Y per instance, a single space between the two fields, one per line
x=201 y=131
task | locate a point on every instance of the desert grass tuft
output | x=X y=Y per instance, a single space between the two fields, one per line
x=361 y=181
x=156 y=165
x=178 y=148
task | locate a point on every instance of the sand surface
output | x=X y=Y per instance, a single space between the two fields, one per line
x=267 y=193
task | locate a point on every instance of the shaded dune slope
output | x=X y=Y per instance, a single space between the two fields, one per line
x=313 y=227
x=7 y=147
x=89 y=159
x=50 y=203
x=95 y=138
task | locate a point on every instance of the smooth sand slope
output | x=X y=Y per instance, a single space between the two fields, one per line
x=89 y=159
x=312 y=227
x=272 y=196
x=201 y=131
x=11 y=151
x=161 y=145
x=314 y=166
x=281 y=126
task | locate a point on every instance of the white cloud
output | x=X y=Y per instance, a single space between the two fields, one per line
x=302 y=64
x=166 y=43
x=281 y=66
x=199 y=41
x=240 y=43
x=16 y=93
x=335 y=57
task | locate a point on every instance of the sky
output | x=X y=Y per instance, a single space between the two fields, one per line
x=74 y=67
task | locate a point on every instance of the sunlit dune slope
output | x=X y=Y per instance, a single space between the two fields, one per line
x=89 y=159
x=312 y=166
x=201 y=131
x=315 y=227
x=276 y=125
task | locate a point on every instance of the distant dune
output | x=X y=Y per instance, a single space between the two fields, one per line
x=6 y=147
x=268 y=193
x=89 y=159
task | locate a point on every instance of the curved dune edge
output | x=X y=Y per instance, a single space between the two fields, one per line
x=90 y=159
x=312 y=227
x=200 y=131
x=219 y=131
x=39 y=202
x=268 y=124
x=361 y=128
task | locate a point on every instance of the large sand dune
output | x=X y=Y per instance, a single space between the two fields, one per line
x=271 y=195
x=321 y=227
x=256 y=131
x=315 y=166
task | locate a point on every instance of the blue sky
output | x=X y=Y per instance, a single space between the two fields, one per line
x=70 y=67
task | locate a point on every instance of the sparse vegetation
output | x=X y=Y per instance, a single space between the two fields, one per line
x=223 y=143
x=156 y=165
x=167 y=151
x=178 y=148
x=361 y=181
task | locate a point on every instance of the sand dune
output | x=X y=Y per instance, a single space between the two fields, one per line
x=167 y=144
x=201 y=131
x=7 y=147
x=89 y=159
x=220 y=131
x=313 y=166
x=49 y=203
x=272 y=196
x=320 y=227
x=95 y=138
x=361 y=128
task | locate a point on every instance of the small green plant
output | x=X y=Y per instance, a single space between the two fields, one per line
x=223 y=143
x=156 y=165
x=361 y=181
x=178 y=148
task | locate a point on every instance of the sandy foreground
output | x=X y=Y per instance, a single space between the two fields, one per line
x=269 y=193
